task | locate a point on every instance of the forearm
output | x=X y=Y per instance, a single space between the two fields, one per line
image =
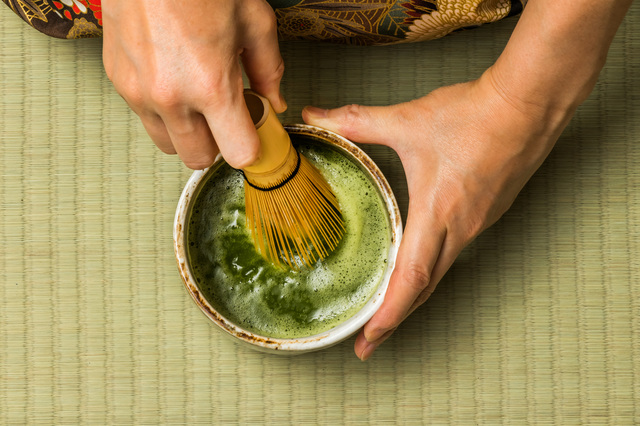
x=555 y=54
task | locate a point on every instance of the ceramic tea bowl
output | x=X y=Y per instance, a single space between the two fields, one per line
x=343 y=330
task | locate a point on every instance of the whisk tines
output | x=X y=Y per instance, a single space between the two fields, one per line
x=291 y=211
x=297 y=221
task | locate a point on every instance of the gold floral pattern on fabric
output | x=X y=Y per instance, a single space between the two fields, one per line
x=455 y=14
x=84 y=29
x=346 y=21
x=300 y=24
x=385 y=21
x=341 y=21
x=57 y=18
x=30 y=9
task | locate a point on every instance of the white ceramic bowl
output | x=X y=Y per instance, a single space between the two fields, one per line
x=302 y=344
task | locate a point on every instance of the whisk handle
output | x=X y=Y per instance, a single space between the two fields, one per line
x=274 y=139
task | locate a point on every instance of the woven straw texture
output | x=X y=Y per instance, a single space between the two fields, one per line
x=537 y=321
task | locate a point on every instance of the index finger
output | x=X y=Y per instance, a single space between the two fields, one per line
x=264 y=65
x=420 y=250
x=232 y=128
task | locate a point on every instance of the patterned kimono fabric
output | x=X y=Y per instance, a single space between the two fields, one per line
x=361 y=22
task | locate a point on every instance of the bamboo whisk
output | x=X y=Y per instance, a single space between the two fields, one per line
x=291 y=211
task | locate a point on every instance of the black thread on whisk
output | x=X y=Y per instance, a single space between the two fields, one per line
x=281 y=184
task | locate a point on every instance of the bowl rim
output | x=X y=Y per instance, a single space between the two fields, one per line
x=303 y=344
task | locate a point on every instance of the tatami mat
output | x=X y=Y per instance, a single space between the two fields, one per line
x=537 y=322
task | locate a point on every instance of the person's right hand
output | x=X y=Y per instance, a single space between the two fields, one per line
x=178 y=66
x=467 y=150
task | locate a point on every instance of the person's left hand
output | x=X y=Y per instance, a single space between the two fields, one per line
x=467 y=151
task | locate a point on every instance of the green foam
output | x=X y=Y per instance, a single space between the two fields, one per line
x=277 y=302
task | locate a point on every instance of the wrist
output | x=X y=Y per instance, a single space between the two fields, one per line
x=537 y=109
x=536 y=82
x=555 y=54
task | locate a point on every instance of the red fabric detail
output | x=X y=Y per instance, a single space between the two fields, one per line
x=67 y=14
x=58 y=4
x=96 y=8
x=76 y=9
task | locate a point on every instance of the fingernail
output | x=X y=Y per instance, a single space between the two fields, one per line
x=367 y=351
x=283 y=103
x=316 y=112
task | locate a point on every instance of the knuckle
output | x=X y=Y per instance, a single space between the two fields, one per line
x=270 y=78
x=475 y=225
x=215 y=92
x=417 y=277
x=131 y=92
x=267 y=23
x=199 y=163
x=465 y=220
x=166 y=149
x=163 y=97
x=128 y=88
x=352 y=119
x=245 y=158
x=408 y=114
x=391 y=322
x=278 y=73
x=270 y=23
x=426 y=294
x=467 y=225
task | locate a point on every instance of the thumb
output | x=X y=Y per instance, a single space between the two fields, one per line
x=362 y=124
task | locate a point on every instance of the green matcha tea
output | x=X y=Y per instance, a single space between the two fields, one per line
x=280 y=302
